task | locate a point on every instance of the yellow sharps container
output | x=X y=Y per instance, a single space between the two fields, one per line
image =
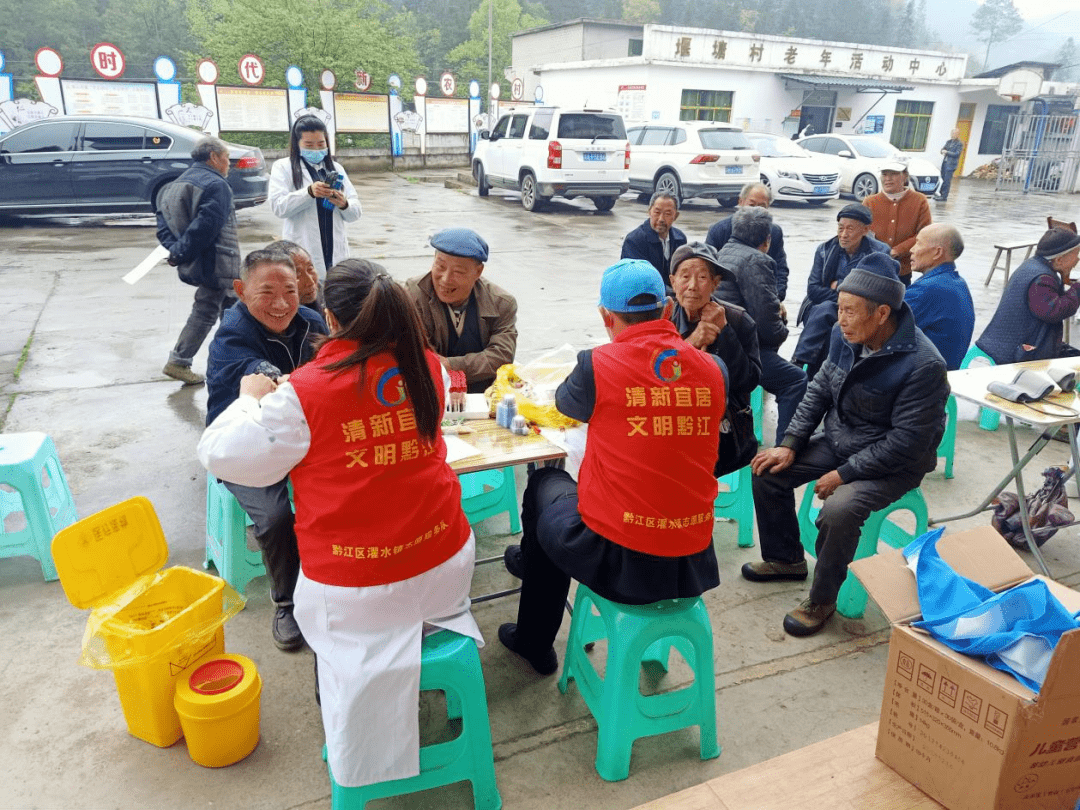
x=218 y=706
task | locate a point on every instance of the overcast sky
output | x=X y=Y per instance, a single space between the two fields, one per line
x=1042 y=8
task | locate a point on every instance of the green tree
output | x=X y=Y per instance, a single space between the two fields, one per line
x=469 y=60
x=341 y=35
x=994 y=21
x=641 y=11
x=1069 y=58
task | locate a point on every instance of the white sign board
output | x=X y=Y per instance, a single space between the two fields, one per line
x=253 y=109
x=357 y=113
x=109 y=98
x=447 y=115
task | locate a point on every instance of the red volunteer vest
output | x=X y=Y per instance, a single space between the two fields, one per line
x=647 y=478
x=373 y=503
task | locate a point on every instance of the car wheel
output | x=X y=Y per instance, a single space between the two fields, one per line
x=530 y=197
x=727 y=202
x=604 y=203
x=864 y=186
x=668 y=183
x=482 y=187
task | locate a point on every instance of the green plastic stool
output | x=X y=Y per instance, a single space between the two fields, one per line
x=638 y=633
x=947 y=446
x=851 y=601
x=757 y=405
x=32 y=482
x=449 y=663
x=488 y=493
x=988 y=419
x=226 y=538
x=737 y=503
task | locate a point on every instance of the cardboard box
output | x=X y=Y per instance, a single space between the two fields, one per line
x=971 y=736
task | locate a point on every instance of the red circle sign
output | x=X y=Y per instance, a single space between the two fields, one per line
x=107 y=60
x=251 y=69
x=363 y=80
x=447 y=84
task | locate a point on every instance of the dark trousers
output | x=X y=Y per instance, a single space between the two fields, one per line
x=813 y=345
x=785 y=381
x=557 y=546
x=839 y=523
x=272 y=514
x=209 y=306
x=946 y=182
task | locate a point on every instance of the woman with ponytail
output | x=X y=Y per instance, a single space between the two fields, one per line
x=304 y=194
x=385 y=549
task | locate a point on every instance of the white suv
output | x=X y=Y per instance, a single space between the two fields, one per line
x=692 y=159
x=545 y=152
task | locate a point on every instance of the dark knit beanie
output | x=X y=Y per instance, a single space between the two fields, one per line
x=1056 y=242
x=876 y=278
x=856 y=211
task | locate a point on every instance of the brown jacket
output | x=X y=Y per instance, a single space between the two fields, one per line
x=498 y=326
x=898 y=223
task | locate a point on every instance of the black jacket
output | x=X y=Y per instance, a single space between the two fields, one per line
x=720 y=233
x=643 y=243
x=753 y=289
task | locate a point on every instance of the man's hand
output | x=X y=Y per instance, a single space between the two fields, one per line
x=783 y=313
x=827 y=484
x=257 y=385
x=714 y=314
x=832 y=286
x=703 y=335
x=775 y=459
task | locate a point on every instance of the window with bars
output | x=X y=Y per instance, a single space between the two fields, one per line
x=911 y=125
x=706 y=105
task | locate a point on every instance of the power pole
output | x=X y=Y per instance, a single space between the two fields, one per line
x=491 y=6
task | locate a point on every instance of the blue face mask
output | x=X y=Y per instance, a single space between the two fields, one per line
x=314 y=156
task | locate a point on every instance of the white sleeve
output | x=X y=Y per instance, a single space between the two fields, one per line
x=255 y=443
x=284 y=201
x=352 y=212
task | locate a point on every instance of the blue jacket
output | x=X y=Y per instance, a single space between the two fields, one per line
x=941 y=303
x=826 y=269
x=643 y=243
x=883 y=413
x=243 y=346
x=721 y=232
x=197 y=224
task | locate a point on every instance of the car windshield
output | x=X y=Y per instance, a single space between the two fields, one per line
x=723 y=139
x=778 y=147
x=873 y=148
x=591 y=126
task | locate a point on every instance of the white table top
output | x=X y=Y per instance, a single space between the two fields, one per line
x=970 y=384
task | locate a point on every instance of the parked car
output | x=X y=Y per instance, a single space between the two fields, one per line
x=691 y=159
x=98 y=164
x=859 y=159
x=546 y=152
x=792 y=173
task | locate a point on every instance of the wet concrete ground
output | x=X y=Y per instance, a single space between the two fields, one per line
x=88 y=350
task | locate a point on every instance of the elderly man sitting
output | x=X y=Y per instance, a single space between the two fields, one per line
x=656 y=239
x=753 y=287
x=881 y=394
x=833 y=260
x=940 y=300
x=756 y=195
x=471 y=323
x=716 y=327
x=1028 y=322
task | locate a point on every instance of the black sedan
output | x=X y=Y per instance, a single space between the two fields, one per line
x=96 y=164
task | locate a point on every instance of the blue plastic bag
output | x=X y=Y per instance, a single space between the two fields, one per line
x=1014 y=631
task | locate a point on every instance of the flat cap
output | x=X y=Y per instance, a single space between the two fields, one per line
x=699 y=250
x=856 y=211
x=461 y=242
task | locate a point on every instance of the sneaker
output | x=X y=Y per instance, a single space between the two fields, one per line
x=514 y=561
x=183 y=373
x=808 y=618
x=544 y=664
x=766 y=571
x=286 y=631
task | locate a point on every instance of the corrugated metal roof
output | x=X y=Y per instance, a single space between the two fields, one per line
x=846 y=81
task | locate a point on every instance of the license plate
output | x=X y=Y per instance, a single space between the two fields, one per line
x=821 y=189
x=733 y=169
x=594 y=156
x=928 y=186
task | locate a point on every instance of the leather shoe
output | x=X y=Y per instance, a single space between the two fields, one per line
x=808 y=618
x=766 y=571
x=286 y=631
x=545 y=663
x=514 y=561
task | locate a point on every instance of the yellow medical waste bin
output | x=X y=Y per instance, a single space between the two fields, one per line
x=218 y=705
x=150 y=626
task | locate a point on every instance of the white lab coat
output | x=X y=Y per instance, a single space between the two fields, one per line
x=301 y=221
x=367 y=639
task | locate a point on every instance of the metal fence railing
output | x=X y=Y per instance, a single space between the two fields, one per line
x=1041 y=153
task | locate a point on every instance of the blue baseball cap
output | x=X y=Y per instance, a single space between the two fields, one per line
x=626 y=280
x=461 y=242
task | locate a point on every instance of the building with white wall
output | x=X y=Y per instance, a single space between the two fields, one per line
x=914 y=98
